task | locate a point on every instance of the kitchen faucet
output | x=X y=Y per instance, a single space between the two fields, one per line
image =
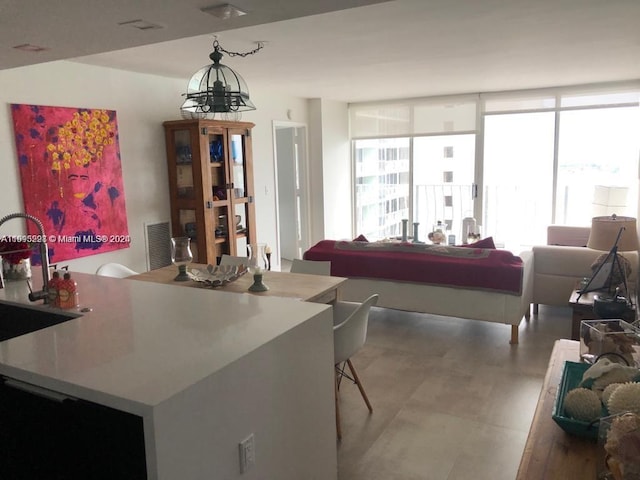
x=44 y=255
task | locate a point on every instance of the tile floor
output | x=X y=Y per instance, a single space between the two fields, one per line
x=452 y=399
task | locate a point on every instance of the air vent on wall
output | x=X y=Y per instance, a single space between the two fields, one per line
x=158 y=245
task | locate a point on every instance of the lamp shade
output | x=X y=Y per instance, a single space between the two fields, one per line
x=608 y=200
x=605 y=230
x=216 y=89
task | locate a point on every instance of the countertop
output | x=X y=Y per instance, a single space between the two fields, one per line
x=143 y=342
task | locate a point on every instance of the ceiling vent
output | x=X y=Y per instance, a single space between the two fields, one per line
x=141 y=25
x=27 y=47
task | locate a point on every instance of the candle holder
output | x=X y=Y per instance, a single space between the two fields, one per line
x=181 y=256
x=258 y=263
x=258 y=285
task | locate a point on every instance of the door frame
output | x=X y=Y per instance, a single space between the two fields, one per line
x=304 y=184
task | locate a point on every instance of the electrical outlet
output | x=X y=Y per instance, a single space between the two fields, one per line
x=247 y=449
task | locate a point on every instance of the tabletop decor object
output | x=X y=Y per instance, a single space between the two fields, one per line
x=416 y=226
x=614 y=339
x=619 y=446
x=614 y=233
x=405 y=223
x=438 y=235
x=258 y=264
x=181 y=256
x=571 y=377
x=16 y=262
x=217 y=276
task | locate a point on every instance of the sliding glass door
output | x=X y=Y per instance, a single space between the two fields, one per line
x=443 y=172
x=518 y=177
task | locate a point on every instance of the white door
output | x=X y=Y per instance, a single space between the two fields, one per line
x=292 y=192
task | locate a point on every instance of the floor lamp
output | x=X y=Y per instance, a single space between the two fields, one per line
x=615 y=234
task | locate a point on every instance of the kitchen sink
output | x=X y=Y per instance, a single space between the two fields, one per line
x=16 y=320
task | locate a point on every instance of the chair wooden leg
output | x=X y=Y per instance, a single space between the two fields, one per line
x=514 y=335
x=338 y=429
x=362 y=392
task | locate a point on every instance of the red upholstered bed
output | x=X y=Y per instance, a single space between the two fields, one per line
x=476 y=283
x=485 y=269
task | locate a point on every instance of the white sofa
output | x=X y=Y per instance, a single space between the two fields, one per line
x=559 y=266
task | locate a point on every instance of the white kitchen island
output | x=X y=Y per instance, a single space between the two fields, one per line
x=202 y=369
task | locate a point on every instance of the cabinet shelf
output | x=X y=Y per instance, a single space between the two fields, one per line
x=190 y=146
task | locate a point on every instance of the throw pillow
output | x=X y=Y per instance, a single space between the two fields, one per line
x=484 y=243
x=360 y=238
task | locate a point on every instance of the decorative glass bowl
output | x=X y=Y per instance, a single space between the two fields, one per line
x=217 y=276
x=614 y=339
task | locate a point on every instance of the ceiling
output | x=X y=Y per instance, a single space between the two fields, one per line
x=344 y=50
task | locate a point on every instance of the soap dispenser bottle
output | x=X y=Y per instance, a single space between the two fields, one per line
x=54 y=287
x=68 y=292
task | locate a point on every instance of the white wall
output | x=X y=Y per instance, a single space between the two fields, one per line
x=330 y=167
x=269 y=108
x=316 y=187
x=142 y=103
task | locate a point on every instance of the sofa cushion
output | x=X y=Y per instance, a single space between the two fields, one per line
x=568 y=236
x=563 y=261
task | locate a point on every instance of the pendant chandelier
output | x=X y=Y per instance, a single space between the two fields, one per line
x=217 y=89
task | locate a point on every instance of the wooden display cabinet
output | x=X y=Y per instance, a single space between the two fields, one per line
x=211 y=186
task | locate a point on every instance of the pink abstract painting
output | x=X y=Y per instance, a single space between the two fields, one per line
x=71 y=176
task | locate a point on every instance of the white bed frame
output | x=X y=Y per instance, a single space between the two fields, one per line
x=486 y=305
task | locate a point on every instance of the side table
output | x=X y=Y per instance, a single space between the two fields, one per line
x=583 y=309
x=550 y=452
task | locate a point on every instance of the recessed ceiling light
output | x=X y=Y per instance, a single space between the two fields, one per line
x=224 y=12
x=141 y=25
x=27 y=47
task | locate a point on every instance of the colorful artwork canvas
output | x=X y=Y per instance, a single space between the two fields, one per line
x=71 y=176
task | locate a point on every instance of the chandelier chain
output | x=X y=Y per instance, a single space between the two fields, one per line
x=216 y=44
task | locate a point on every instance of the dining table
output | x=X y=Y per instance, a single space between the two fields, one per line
x=301 y=286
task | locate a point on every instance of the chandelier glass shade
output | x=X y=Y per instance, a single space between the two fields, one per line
x=216 y=89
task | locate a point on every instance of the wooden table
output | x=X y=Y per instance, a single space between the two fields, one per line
x=582 y=309
x=309 y=288
x=550 y=453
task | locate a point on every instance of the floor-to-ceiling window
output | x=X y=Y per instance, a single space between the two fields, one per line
x=597 y=163
x=413 y=162
x=549 y=156
x=518 y=177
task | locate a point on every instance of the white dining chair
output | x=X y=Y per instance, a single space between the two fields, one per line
x=350 y=321
x=311 y=267
x=116 y=270
x=233 y=260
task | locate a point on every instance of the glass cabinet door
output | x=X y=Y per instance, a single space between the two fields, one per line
x=184 y=164
x=239 y=166
x=217 y=200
